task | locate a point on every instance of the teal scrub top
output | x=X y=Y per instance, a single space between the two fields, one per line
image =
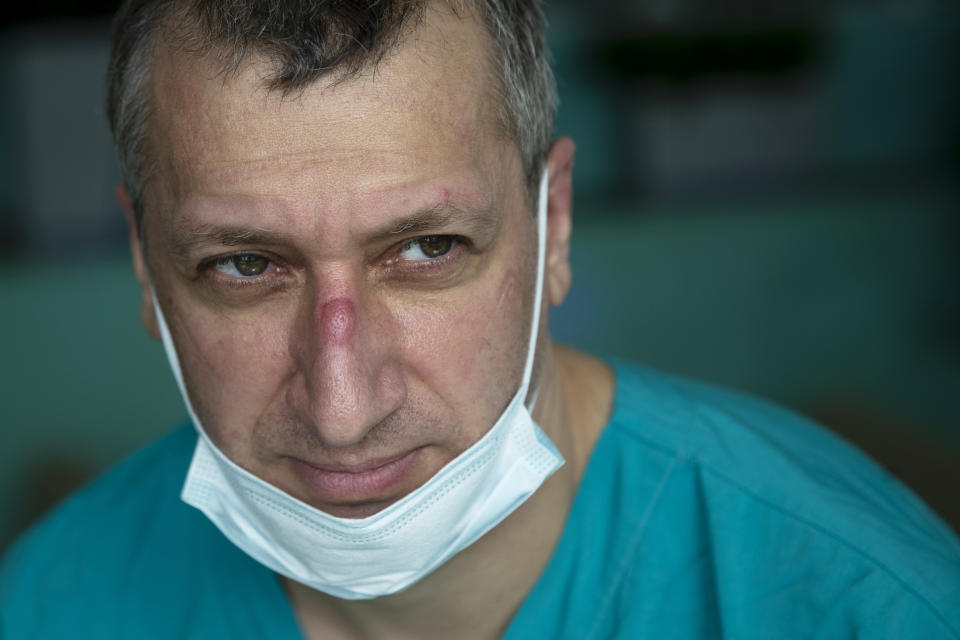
x=702 y=514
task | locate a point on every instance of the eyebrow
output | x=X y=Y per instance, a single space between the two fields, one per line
x=190 y=236
x=483 y=222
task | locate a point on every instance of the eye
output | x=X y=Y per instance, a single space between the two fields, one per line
x=243 y=265
x=427 y=248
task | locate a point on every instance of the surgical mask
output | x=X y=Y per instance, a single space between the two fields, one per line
x=394 y=548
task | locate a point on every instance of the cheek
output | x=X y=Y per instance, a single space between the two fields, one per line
x=470 y=350
x=233 y=370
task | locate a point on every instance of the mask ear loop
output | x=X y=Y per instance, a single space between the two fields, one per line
x=538 y=288
x=171 y=350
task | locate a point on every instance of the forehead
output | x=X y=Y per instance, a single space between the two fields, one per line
x=430 y=105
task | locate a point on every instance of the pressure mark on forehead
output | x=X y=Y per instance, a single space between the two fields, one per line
x=338 y=318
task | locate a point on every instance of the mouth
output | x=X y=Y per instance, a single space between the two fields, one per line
x=356 y=491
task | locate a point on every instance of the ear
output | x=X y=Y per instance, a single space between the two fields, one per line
x=147 y=314
x=559 y=219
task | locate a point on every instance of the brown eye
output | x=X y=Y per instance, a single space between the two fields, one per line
x=246 y=265
x=428 y=248
x=435 y=246
x=250 y=265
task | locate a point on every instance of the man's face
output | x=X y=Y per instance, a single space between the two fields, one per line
x=346 y=272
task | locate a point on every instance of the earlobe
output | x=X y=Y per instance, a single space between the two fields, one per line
x=147 y=313
x=559 y=220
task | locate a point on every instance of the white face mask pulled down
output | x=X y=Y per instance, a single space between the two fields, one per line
x=394 y=548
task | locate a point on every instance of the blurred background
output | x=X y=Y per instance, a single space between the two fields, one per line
x=767 y=198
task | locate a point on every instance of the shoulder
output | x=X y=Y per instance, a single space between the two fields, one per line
x=778 y=500
x=81 y=564
x=143 y=485
x=764 y=450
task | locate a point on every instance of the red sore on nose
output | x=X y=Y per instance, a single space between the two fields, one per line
x=338 y=318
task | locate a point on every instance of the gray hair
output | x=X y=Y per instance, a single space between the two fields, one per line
x=307 y=39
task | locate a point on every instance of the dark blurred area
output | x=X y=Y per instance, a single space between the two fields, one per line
x=767 y=198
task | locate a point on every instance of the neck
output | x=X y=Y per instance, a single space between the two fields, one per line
x=477 y=592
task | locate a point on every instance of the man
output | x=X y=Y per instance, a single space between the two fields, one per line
x=348 y=223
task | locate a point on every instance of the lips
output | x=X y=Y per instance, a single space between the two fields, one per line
x=368 y=482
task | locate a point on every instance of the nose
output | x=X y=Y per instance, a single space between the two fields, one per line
x=349 y=378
